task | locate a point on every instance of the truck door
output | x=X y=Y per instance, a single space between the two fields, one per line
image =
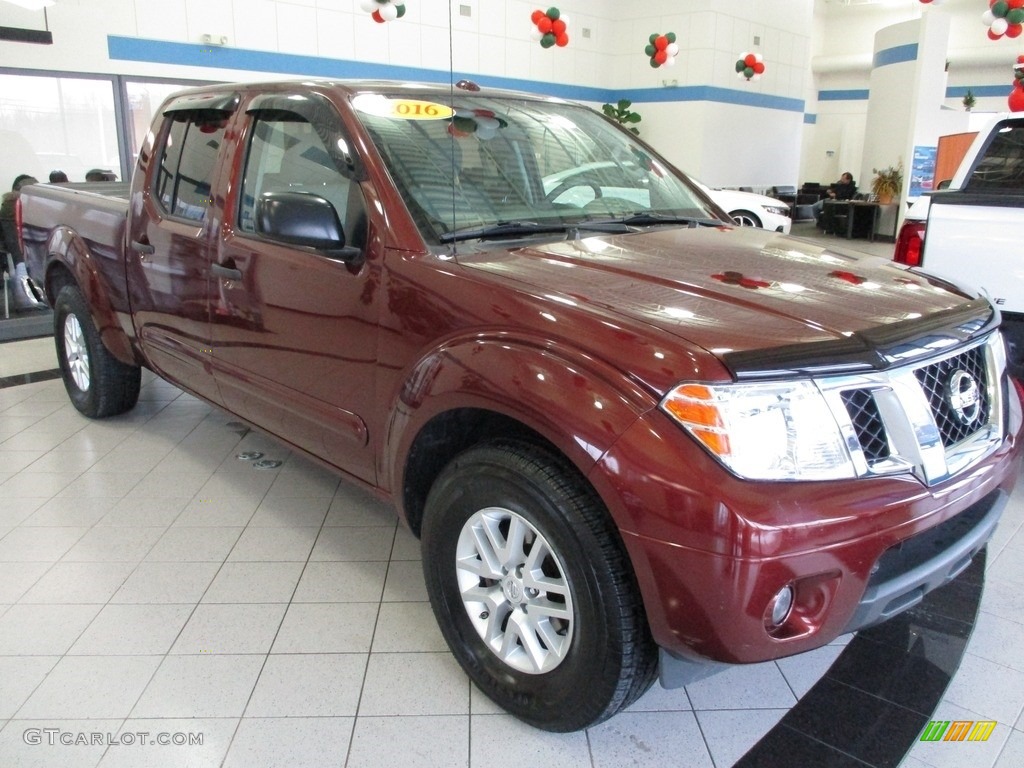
x=170 y=232
x=294 y=328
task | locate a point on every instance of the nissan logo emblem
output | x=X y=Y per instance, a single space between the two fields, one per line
x=963 y=396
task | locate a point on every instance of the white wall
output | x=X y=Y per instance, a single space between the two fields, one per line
x=727 y=130
x=841 y=61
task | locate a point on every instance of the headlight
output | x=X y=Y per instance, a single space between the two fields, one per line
x=764 y=431
x=777 y=211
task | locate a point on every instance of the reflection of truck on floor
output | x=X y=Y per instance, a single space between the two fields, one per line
x=972 y=231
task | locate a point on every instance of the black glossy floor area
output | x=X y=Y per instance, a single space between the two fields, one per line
x=872 y=705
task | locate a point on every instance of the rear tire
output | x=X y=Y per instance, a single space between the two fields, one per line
x=98 y=384
x=532 y=589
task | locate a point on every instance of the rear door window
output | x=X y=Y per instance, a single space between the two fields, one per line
x=185 y=171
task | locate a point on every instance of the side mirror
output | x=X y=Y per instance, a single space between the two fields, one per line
x=305 y=220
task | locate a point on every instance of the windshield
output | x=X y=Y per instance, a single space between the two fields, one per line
x=505 y=167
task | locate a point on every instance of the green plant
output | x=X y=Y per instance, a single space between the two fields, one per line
x=888 y=182
x=622 y=114
x=968 y=100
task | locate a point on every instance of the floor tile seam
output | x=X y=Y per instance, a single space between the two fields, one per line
x=277 y=633
x=704 y=736
x=977 y=715
x=831 y=747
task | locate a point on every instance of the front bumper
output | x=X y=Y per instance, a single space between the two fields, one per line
x=710 y=551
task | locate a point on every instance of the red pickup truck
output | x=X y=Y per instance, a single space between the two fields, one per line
x=632 y=436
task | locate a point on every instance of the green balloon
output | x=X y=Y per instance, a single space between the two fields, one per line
x=547 y=41
x=1015 y=15
x=748 y=72
x=671 y=36
x=652 y=38
x=740 y=66
x=401 y=10
x=654 y=64
x=553 y=13
x=1000 y=9
x=650 y=50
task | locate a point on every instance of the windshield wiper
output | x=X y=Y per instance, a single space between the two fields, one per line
x=646 y=218
x=503 y=229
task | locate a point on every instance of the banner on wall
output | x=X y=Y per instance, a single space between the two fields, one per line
x=922 y=170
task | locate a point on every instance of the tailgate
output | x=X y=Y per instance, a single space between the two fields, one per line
x=974 y=239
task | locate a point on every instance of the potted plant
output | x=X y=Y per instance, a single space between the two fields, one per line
x=888 y=183
x=623 y=115
x=968 y=100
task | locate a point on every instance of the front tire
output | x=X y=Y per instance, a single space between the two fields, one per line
x=97 y=383
x=745 y=218
x=532 y=588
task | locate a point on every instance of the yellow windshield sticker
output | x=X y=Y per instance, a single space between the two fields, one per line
x=401 y=109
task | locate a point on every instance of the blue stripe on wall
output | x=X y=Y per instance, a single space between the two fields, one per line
x=958 y=92
x=852 y=94
x=895 y=55
x=189 y=54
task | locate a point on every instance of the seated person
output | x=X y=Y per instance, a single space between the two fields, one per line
x=844 y=189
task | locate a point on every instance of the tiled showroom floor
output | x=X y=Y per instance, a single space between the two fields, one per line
x=153 y=583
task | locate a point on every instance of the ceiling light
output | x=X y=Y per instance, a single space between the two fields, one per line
x=33 y=5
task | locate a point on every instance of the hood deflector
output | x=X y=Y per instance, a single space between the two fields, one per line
x=872 y=349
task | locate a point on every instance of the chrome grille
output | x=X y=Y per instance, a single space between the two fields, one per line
x=935 y=382
x=867 y=422
x=932 y=419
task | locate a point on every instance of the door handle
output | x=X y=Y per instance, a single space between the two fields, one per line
x=229 y=273
x=144 y=249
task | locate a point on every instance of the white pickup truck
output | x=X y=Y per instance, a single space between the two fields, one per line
x=973 y=230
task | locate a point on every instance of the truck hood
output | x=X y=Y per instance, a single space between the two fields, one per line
x=745 y=295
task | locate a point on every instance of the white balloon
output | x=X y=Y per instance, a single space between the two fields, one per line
x=536 y=35
x=388 y=12
x=672 y=49
x=484 y=134
x=488 y=124
x=999 y=26
x=368 y=5
x=564 y=18
x=988 y=17
x=758 y=57
x=670 y=61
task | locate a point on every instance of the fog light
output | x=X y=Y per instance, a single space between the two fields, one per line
x=781 y=605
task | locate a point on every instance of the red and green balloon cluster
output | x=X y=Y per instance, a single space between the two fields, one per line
x=1016 y=99
x=1004 y=17
x=750 y=66
x=662 y=49
x=551 y=27
x=383 y=10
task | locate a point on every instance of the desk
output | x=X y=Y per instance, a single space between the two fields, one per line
x=858 y=218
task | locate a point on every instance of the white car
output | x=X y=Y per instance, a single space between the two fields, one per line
x=749 y=209
x=582 y=185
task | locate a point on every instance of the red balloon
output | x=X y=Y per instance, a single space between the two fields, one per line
x=536 y=16
x=562 y=40
x=661 y=42
x=750 y=59
x=1015 y=3
x=759 y=67
x=1016 y=99
x=661 y=57
x=1014 y=30
x=992 y=35
x=558 y=27
x=544 y=25
x=377 y=17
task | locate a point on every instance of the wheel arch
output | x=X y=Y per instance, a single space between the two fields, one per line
x=743 y=213
x=70 y=262
x=468 y=393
